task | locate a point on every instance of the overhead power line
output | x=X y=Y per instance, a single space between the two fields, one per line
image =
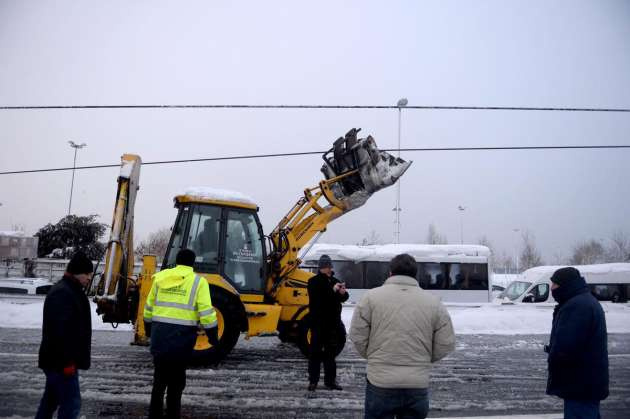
x=305 y=153
x=236 y=106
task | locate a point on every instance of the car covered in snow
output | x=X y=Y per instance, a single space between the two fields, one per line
x=28 y=286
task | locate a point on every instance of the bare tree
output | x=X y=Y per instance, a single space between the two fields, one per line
x=588 y=252
x=530 y=256
x=558 y=259
x=433 y=237
x=503 y=263
x=155 y=244
x=372 y=238
x=619 y=249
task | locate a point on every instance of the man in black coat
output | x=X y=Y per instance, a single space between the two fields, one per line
x=66 y=340
x=326 y=293
x=578 y=347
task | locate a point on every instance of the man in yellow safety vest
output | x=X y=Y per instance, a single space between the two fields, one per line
x=178 y=303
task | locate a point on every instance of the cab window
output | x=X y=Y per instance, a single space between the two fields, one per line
x=244 y=261
x=203 y=238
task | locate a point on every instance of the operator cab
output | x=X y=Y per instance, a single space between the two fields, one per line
x=224 y=231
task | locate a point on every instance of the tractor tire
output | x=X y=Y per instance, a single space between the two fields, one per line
x=230 y=313
x=304 y=338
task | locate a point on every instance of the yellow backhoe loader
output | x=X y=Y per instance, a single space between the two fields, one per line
x=255 y=283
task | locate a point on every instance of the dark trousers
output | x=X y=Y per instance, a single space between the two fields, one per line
x=386 y=403
x=62 y=392
x=169 y=377
x=581 y=409
x=323 y=349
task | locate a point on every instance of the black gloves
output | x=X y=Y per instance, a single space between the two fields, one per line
x=213 y=336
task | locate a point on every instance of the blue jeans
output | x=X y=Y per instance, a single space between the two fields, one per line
x=381 y=403
x=62 y=392
x=581 y=409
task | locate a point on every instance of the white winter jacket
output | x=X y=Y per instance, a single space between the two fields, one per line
x=401 y=330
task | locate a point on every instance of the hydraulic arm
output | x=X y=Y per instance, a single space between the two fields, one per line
x=116 y=294
x=354 y=169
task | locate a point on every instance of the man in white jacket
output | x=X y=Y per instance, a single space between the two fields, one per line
x=401 y=330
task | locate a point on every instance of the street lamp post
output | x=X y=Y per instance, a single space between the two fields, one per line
x=401 y=104
x=461 y=223
x=516 y=230
x=74 y=164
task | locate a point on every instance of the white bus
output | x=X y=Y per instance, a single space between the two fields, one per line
x=456 y=273
x=607 y=281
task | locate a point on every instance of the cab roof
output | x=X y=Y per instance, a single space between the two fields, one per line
x=213 y=196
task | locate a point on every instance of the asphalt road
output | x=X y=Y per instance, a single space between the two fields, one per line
x=486 y=375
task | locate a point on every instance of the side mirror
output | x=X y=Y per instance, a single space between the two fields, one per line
x=529 y=298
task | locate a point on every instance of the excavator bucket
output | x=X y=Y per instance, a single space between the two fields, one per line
x=363 y=168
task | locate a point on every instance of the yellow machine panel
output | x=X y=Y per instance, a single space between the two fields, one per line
x=262 y=318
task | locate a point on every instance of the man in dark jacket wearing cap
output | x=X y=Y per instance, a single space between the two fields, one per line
x=578 y=347
x=326 y=293
x=66 y=340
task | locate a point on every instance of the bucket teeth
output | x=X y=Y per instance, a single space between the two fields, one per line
x=375 y=169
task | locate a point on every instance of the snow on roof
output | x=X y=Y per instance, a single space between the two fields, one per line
x=602 y=268
x=387 y=251
x=218 y=194
x=12 y=233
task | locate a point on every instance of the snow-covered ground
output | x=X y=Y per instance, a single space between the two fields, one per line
x=478 y=319
x=27 y=314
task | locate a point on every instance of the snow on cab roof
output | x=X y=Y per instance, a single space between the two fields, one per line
x=387 y=251
x=214 y=194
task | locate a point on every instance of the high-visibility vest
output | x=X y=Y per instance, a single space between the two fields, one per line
x=179 y=296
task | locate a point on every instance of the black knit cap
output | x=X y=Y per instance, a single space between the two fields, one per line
x=185 y=257
x=324 y=262
x=80 y=264
x=564 y=276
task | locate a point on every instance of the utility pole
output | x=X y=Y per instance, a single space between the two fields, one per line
x=74 y=164
x=461 y=223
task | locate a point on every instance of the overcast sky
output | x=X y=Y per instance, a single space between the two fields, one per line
x=481 y=53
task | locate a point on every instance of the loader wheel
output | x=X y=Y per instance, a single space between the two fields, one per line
x=229 y=314
x=304 y=338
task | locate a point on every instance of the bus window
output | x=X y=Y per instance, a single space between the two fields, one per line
x=431 y=275
x=349 y=272
x=476 y=274
x=375 y=273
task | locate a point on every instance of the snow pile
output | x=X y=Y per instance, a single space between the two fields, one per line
x=386 y=252
x=29 y=316
x=218 y=195
x=516 y=319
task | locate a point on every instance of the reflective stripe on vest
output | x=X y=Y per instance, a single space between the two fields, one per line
x=174 y=312
x=191 y=299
